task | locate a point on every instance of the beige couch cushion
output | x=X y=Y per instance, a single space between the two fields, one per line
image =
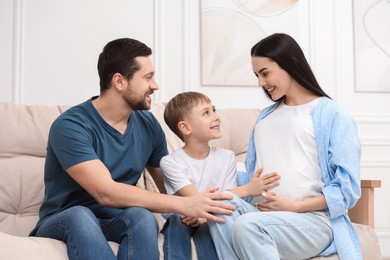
x=24 y=131
x=34 y=248
x=21 y=193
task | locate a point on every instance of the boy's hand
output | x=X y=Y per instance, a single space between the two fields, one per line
x=193 y=222
x=260 y=183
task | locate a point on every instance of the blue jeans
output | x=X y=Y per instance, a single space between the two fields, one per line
x=251 y=234
x=135 y=230
x=177 y=240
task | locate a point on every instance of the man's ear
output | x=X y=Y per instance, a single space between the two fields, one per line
x=118 y=81
x=184 y=128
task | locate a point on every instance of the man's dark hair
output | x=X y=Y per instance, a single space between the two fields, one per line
x=118 y=56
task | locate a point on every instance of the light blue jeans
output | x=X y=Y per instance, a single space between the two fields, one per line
x=177 y=240
x=135 y=230
x=251 y=234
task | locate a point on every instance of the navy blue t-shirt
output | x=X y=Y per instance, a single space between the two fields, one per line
x=80 y=134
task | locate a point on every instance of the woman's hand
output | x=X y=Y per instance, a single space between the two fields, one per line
x=277 y=203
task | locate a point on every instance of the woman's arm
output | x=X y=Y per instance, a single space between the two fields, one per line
x=339 y=155
x=280 y=203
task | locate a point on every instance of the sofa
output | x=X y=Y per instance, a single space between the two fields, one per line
x=23 y=137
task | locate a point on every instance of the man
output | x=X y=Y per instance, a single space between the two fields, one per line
x=96 y=153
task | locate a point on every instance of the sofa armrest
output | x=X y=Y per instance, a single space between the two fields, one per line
x=363 y=211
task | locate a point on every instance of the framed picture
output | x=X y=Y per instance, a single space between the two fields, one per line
x=371 y=20
x=229 y=28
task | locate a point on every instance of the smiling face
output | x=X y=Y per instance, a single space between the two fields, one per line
x=203 y=122
x=276 y=81
x=141 y=86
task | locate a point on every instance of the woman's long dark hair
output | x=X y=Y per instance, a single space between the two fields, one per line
x=285 y=51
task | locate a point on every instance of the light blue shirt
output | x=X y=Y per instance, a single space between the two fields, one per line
x=339 y=151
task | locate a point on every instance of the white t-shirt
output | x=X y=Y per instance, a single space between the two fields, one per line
x=217 y=170
x=285 y=143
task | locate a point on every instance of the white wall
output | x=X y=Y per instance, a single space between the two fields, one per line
x=49 y=50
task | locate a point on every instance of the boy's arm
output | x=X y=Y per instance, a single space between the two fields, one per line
x=258 y=184
x=157 y=176
x=186 y=191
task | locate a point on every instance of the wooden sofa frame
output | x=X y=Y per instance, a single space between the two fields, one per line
x=363 y=212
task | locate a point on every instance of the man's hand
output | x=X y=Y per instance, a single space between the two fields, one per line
x=203 y=204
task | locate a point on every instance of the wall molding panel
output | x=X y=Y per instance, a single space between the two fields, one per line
x=157 y=43
x=384 y=240
x=17 y=66
x=372 y=119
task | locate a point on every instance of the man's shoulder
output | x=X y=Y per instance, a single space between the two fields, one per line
x=76 y=110
x=75 y=120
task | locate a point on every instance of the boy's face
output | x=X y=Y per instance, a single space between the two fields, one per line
x=204 y=122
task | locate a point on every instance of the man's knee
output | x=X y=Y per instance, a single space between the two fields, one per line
x=137 y=216
x=75 y=221
x=80 y=217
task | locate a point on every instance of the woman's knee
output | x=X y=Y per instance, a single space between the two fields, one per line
x=245 y=226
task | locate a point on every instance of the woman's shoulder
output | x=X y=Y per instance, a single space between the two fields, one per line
x=327 y=105
x=329 y=111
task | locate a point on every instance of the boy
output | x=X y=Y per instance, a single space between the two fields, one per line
x=195 y=167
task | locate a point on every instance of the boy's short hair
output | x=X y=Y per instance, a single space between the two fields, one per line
x=180 y=106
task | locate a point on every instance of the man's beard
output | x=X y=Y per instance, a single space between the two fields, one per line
x=136 y=102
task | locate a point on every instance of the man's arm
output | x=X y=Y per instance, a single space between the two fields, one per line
x=95 y=178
